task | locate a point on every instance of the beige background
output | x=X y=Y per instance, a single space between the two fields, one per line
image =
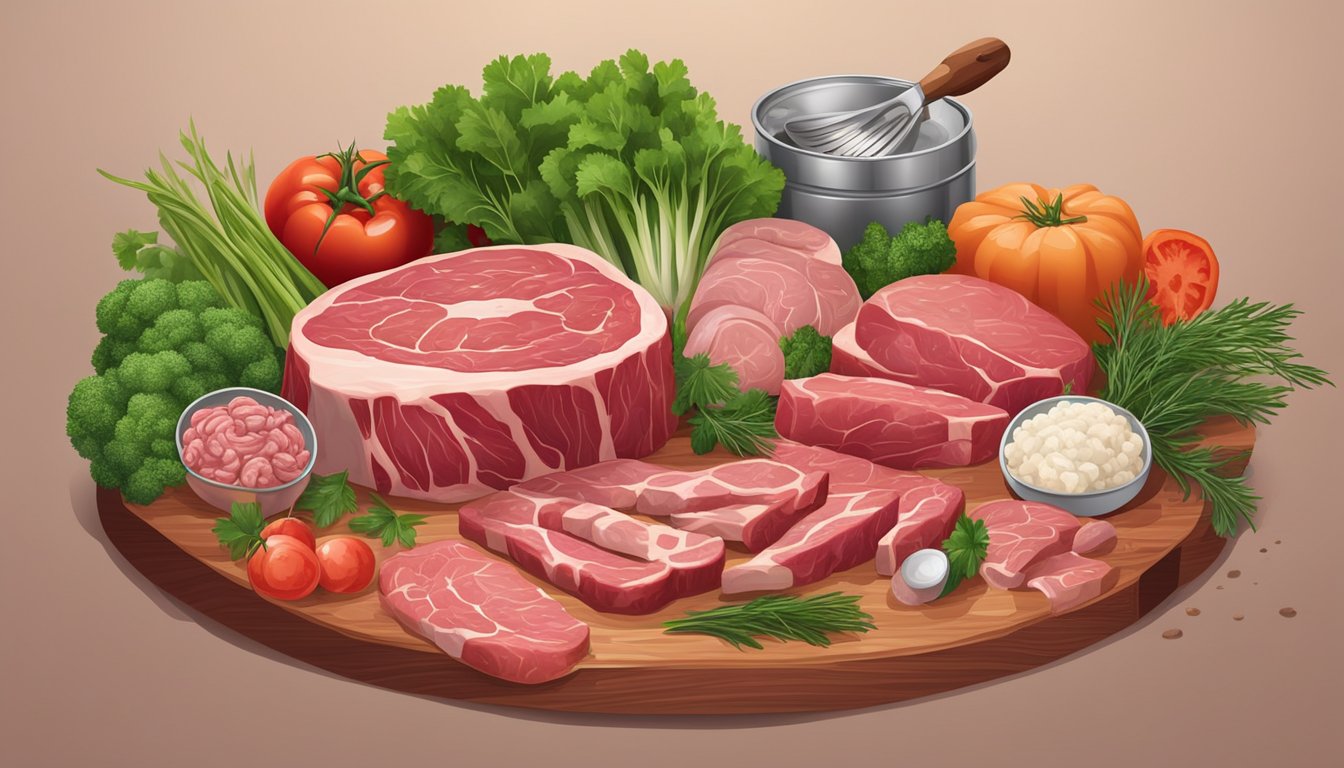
x=1222 y=118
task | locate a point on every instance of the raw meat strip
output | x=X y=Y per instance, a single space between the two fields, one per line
x=928 y=515
x=1070 y=580
x=481 y=612
x=1093 y=536
x=888 y=422
x=1022 y=533
x=755 y=526
x=746 y=341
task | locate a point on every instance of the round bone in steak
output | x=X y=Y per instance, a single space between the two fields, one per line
x=463 y=373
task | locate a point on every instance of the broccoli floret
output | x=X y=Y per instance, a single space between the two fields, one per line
x=110 y=352
x=143 y=372
x=880 y=259
x=215 y=318
x=147 y=482
x=203 y=358
x=806 y=353
x=150 y=299
x=92 y=411
x=173 y=329
x=111 y=315
x=262 y=374
x=197 y=295
x=240 y=344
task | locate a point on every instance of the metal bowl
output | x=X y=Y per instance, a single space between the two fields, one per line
x=272 y=501
x=1090 y=503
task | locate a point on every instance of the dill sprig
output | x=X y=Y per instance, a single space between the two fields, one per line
x=782 y=617
x=1235 y=361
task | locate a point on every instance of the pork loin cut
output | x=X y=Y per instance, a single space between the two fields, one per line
x=786 y=233
x=1069 y=580
x=974 y=338
x=1022 y=533
x=481 y=612
x=863 y=502
x=928 y=515
x=790 y=286
x=1094 y=536
x=849 y=359
x=889 y=422
x=743 y=339
x=607 y=559
x=463 y=373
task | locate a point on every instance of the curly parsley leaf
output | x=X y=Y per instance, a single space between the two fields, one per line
x=745 y=425
x=966 y=549
x=240 y=532
x=329 y=498
x=382 y=521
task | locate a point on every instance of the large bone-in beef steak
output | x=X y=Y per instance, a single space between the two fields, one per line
x=463 y=373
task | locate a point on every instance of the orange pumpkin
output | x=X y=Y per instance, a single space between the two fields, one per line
x=1062 y=249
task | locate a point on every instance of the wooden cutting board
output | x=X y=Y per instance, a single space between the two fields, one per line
x=973 y=635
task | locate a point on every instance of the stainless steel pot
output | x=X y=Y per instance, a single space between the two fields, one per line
x=931 y=175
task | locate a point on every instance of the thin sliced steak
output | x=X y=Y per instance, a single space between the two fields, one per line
x=481 y=612
x=928 y=515
x=463 y=373
x=974 y=338
x=755 y=526
x=1094 y=536
x=864 y=501
x=888 y=422
x=743 y=339
x=1070 y=580
x=608 y=559
x=1022 y=533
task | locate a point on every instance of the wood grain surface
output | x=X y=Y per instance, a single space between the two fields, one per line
x=973 y=635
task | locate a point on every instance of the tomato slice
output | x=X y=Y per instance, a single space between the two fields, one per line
x=1182 y=273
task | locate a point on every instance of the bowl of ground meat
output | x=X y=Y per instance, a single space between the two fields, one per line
x=246 y=445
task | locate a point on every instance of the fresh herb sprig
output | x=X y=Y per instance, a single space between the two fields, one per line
x=329 y=498
x=240 y=532
x=1235 y=361
x=782 y=617
x=382 y=521
x=742 y=422
x=966 y=549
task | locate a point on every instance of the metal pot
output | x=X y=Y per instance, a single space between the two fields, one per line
x=931 y=175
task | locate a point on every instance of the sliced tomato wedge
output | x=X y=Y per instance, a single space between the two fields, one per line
x=1182 y=273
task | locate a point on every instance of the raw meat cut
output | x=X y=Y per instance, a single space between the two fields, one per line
x=864 y=502
x=894 y=424
x=974 y=338
x=849 y=359
x=581 y=547
x=786 y=233
x=464 y=373
x=744 y=339
x=928 y=515
x=1093 y=536
x=1070 y=579
x=752 y=501
x=1022 y=533
x=792 y=287
x=481 y=612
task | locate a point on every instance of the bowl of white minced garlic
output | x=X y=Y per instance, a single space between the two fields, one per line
x=1081 y=454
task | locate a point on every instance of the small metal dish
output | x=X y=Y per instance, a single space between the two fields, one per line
x=1090 y=503
x=272 y=500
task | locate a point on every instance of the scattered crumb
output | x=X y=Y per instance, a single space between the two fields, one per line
x=1233 y=574
x=1191 y=611
x=1220 y=586
x=1255 y=583
x=1237 y=617
x=1262 y=549
x=1172 y=634
x=1288 y=613
x=1278 y=541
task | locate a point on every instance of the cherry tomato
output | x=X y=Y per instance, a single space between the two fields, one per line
x=332 y=213
x=290 y=526
x=347 y=564
x=1182 y=273
x=284 y=569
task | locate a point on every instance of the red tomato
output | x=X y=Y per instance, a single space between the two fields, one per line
x=290 y=526
x=347 y=564
x=1182 y=273
x=341 y=224
x=284 y=569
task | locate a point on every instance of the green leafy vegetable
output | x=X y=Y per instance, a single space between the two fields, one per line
x=382 y=521
x=782 y=617
x=806 y=353
x=966 y=549
x=631 y=162
x=229 y=242
x=240 y=532
x=745 y=425
x=880 y=259
x=1235 y=360
x=328 y=497
x=141 y=252
x=164 y=345
x=700 y=384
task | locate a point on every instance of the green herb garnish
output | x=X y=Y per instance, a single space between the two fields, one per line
x=966 y=549
x=1175 y=377
x=806 y=353
x=700 y=384
x=328 y=497
x=745 y=425
x=782 y=617
x=382 y=521
x=241 y=530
